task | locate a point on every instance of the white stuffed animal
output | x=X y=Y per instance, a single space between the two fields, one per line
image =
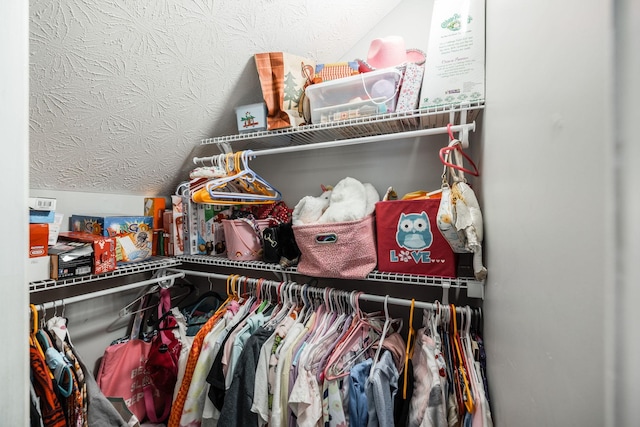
x=309 y=209
x=349 y=201
x=372 y=198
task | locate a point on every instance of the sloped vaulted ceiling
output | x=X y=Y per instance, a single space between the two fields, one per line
x=122 y=91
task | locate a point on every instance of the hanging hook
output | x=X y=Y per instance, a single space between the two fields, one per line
x=464 y=137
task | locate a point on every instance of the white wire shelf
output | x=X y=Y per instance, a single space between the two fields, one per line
x=382 y=124
x=152 y=264
x=475 y=288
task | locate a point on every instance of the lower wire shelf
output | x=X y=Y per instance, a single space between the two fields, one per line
x=474 y=288
x=152 y=264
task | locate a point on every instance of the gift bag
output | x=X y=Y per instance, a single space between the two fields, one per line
x=409 y=240
x=344 y=250
x=410 y=89
x=282 y=79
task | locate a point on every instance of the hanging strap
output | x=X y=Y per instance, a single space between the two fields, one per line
x=408 y=350
x=163 y=307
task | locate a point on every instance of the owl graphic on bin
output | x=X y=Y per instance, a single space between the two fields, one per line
x=414 y=231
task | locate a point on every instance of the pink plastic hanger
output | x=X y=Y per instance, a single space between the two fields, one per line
x=455 y=148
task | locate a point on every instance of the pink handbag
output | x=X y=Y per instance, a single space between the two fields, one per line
x=121 y=374
x=344 y=250
x=243 y=238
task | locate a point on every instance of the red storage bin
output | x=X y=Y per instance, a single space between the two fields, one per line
x=409 y=240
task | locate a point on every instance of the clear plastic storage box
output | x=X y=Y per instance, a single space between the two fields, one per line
x=361 y=95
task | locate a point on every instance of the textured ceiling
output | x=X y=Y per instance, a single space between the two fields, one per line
x=122 y=91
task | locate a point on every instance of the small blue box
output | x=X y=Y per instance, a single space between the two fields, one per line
x=252 y=117
x=41 y=217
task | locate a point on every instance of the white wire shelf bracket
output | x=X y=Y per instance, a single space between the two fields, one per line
x=475 y=288
x=344 y=130
x=123 y=270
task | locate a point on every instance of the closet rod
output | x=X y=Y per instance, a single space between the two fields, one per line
x=108 y=291
x=361 y=296
x=352 y=141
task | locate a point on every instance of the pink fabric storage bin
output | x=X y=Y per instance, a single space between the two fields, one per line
x=242 y=240
x=344 y=250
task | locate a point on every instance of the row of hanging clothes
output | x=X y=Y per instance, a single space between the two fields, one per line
x=63 y=391
x=270 y=353
x=284 y=354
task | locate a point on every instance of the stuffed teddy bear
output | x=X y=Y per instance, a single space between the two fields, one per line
x=350 y=200
x=309 y=209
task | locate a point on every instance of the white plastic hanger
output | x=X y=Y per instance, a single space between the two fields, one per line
x=385 y=329
x=241 y=185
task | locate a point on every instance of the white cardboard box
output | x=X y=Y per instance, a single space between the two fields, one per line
x=454 y=68
x=42 y=203
x=38 y=268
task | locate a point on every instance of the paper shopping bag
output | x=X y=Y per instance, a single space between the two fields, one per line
x=282 y=79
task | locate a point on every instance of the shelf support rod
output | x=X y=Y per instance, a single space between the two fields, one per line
x=353 y=141
x=109 y=291
x=361 y=296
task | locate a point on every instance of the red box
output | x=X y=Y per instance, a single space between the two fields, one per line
x=104 y=249
x=38 y=240
x=409 y=240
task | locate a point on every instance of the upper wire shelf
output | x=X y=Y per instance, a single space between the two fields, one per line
x=475 y=288
x=382 y=124
x=124 y=270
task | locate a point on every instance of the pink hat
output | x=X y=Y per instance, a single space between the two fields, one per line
x=390 y=52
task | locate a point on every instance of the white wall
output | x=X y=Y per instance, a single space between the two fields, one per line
x=14 y=173
x=122 y=91
x=627 y=316
x=83 y=203
x=546 y=187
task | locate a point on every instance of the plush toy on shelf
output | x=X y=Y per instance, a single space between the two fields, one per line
x=349 y=200
x=309 y=209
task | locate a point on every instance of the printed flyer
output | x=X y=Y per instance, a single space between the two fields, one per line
x=454 y=69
